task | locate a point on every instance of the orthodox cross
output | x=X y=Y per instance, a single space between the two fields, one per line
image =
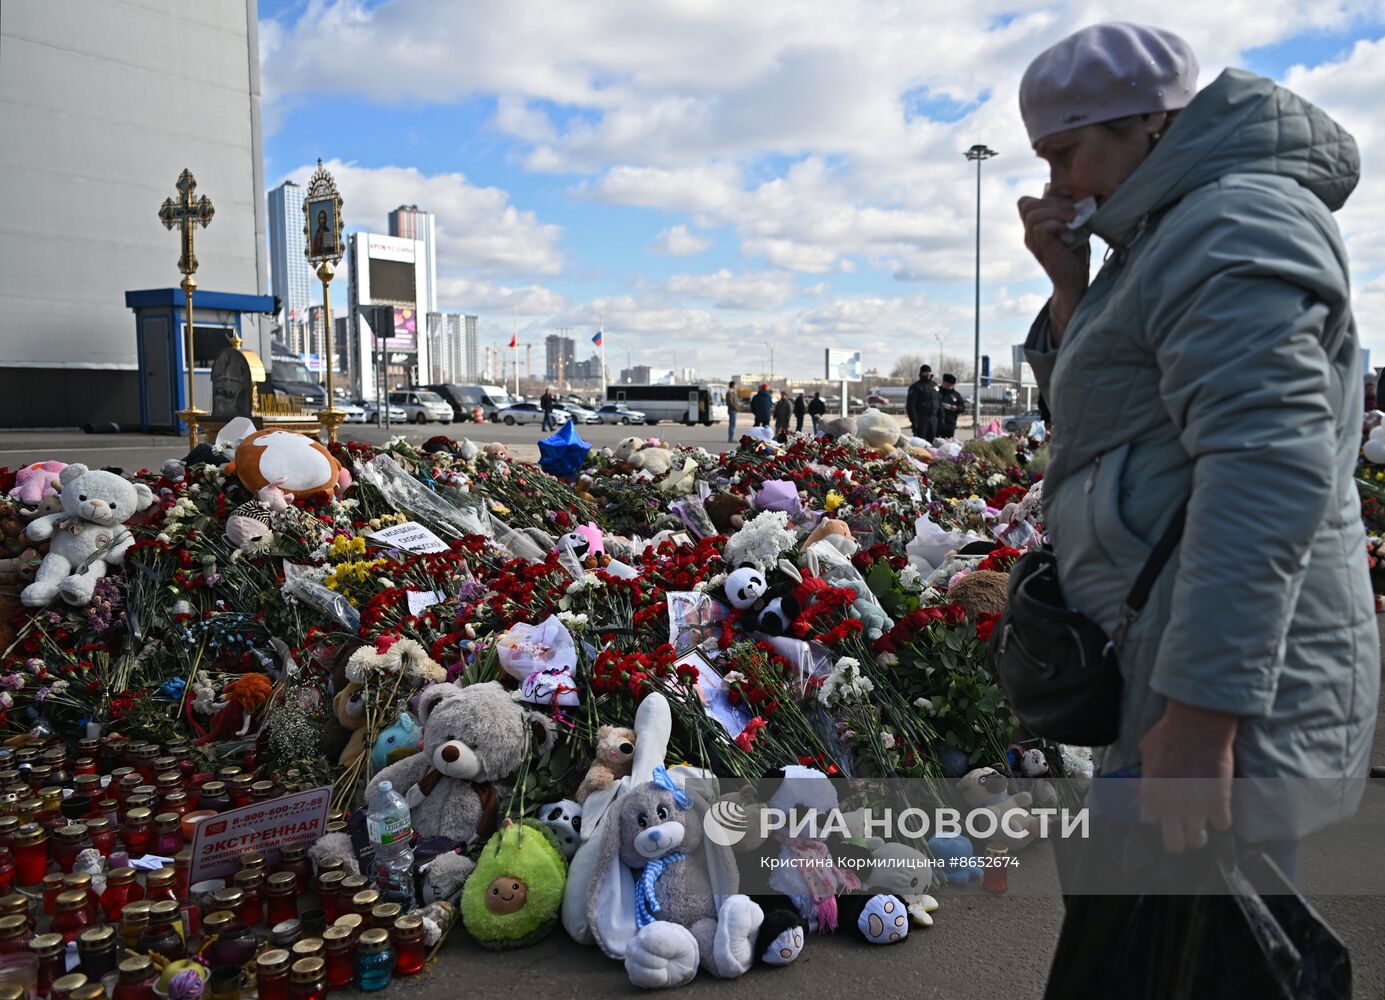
x=187 y=213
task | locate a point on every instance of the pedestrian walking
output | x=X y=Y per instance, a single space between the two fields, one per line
x=921 y=405
x=762 y=406
x=546 y=404
x=783 y=409
x=1257 y=652
x=800 y=410
x=816 y=409
x=950 y=404
x=733 y=407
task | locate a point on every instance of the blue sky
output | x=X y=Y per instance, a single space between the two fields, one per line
x=708 y=178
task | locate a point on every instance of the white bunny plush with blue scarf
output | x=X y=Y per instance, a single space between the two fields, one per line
x=652 y=902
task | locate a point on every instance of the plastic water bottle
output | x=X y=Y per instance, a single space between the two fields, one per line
x=390 y=828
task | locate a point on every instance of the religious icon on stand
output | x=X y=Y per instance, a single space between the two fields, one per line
x=322 y=219
x=324 y=235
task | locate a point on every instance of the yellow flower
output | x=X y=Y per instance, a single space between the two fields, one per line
x=833 y=501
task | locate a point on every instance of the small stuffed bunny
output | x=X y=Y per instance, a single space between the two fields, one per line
x=652 y=902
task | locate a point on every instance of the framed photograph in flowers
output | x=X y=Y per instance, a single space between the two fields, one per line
x=712 y=690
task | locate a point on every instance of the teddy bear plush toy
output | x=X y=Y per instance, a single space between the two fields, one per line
x=87 y=538
x=987 y=788
x=473 y=736
x=642 y=456
x=615 y=752
x=727 y=511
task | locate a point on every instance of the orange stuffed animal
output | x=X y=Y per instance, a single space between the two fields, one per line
x=293 y=463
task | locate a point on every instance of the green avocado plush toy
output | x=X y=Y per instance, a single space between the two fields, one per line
x=515 y=895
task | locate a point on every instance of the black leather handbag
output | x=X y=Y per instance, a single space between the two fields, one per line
x=1059 y=669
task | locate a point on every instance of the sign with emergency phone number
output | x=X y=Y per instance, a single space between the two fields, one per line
x=267 y=826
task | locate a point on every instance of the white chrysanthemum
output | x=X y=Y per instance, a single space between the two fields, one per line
x=761 y=541
x=845 y=683
x=910 y=578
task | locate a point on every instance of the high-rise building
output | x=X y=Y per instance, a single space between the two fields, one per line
x=638 y=375
x=288 y=269
x=409 y=222
x=560 y=354
x=103 y=106
x=452 y=347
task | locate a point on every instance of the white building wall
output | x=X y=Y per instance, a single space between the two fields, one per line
x=101 y=106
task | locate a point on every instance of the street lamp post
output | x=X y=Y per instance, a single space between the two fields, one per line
x=940 y=339
x=978 y=153
x=771 y=359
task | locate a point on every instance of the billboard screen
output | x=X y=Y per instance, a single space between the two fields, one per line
x=405 y=331
x=391 y=281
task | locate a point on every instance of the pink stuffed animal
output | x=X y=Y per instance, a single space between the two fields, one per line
x=34 y=482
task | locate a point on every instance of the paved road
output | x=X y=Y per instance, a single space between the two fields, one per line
x=134 y=451
x=981 y=947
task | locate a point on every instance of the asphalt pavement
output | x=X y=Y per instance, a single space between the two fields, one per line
x=980 y=946
x=135 y=451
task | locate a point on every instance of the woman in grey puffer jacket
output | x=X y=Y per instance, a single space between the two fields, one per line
x=1213 y=361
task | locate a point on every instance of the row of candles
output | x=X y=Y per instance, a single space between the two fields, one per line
x=149 y=802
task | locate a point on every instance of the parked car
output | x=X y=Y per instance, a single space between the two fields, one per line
x=372 y=415
x=529 y=413
x=578 y=413
x=1021 y=423
x=488 y=400
x=354 y=414
x=290 y=379
x=614 y=413
x=422 y=406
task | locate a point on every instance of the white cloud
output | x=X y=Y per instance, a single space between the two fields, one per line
x=757 y=291
x=477 y=228
x=676 y=241
x=802 y=126
x=479 y=295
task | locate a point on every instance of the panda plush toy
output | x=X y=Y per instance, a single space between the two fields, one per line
x=768 y=607
x=586 y=545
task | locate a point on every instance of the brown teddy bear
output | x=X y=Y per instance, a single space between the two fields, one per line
x=726 y=511
x=615 y=751
x=349 y=708
x=982 y=592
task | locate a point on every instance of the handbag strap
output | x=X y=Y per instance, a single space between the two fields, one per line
x=1135 y=601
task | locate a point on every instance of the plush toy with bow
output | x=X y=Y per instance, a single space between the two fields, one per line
x=812 y=874
x=653 y=903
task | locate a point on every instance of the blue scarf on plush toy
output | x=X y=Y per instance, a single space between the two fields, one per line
x=646 y=902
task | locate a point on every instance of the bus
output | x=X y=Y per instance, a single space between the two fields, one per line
x=688 y=404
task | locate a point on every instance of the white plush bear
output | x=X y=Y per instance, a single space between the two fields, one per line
x=88 y=537
x=648 y=458
x=879 y=430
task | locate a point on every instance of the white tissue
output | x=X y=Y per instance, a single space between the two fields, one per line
x=1082 y=211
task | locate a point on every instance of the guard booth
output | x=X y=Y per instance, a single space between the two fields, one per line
x=160 y=318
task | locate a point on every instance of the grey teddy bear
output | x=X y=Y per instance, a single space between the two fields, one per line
x=652 y=902
x=473 y=736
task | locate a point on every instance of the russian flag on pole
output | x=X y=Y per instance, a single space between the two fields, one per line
x=514 y=340
x=596 y=338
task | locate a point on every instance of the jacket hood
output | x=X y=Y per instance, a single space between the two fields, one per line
x=1239 y=124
